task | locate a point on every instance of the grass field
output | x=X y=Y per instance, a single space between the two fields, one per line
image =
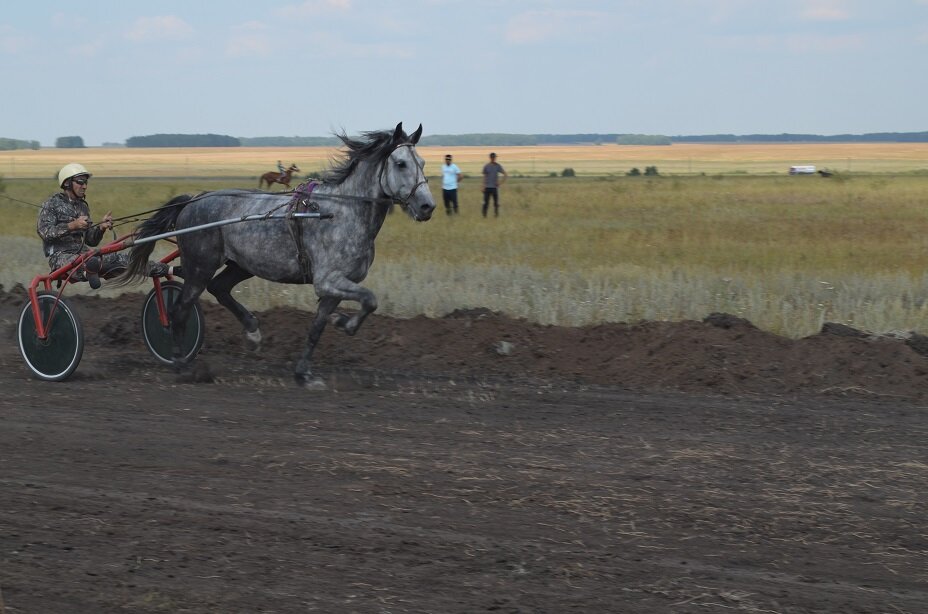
x=787 y=253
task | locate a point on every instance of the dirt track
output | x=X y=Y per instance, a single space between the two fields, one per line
x=689 y=467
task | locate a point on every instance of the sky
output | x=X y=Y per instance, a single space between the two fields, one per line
x=107 y=70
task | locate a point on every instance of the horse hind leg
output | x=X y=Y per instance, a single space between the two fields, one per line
x=221 y=287
x=178 y=316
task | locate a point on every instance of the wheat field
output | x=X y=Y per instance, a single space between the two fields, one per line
x=587 y=160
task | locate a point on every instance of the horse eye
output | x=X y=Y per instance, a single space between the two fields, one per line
x=401 y=164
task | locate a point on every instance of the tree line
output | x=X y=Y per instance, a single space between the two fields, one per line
x=872 y=137
x=11 y=144
x=183 y=140
x=501 y=139
x=660 y=139
x=482 y=140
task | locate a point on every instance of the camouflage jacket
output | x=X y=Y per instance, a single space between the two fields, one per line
x=52 y=226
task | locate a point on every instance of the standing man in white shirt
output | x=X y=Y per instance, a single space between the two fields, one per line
x=450 y=176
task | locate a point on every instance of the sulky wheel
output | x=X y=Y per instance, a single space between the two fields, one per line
x=56 y=357
x=160 y=339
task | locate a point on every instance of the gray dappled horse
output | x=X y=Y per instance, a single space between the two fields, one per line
x=334 y=254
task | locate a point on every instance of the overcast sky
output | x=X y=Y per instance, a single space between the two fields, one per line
x=107 y=70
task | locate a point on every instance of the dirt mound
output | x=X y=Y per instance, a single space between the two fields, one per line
x=722 y=354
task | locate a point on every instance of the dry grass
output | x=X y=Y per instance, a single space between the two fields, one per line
x=787 y=253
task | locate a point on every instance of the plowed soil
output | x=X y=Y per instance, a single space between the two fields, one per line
x=468 y=463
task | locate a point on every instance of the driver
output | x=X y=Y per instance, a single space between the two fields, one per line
x=67 y=231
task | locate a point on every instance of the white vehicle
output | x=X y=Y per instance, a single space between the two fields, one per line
x=802 y=170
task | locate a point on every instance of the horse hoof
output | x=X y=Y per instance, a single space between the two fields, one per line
x=253 y=341
x=310 y=382
x=345 y=324
x=180 y=366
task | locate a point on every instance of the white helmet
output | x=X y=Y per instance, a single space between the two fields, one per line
x=70 y=170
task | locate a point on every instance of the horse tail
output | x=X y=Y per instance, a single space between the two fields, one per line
x=162 y=221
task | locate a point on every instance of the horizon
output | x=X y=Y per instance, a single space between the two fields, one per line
x=589 y=134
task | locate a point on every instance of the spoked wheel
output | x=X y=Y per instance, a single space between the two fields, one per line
x=160 y=339
x=56 y=357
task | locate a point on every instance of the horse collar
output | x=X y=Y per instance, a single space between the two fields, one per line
x=301 y=197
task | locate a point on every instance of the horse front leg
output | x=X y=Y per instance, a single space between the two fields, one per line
x=344 y=289
x=351 y=323
x=303 y=371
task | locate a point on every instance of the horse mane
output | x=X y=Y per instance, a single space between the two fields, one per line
x=374 y=146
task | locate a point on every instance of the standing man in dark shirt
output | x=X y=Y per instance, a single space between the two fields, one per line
x=493 y=177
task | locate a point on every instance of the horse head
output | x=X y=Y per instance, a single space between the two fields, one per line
x=402 y=176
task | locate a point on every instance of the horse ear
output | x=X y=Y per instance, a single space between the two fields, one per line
x=398 y=132
x=414 y=138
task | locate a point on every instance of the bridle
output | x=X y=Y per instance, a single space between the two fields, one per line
x=403 y=201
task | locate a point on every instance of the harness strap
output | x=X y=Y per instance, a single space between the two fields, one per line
x=301 y=203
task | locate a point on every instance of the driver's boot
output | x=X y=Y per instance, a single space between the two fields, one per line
x=92 y=270
x=157 y=269
x=160 y=269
